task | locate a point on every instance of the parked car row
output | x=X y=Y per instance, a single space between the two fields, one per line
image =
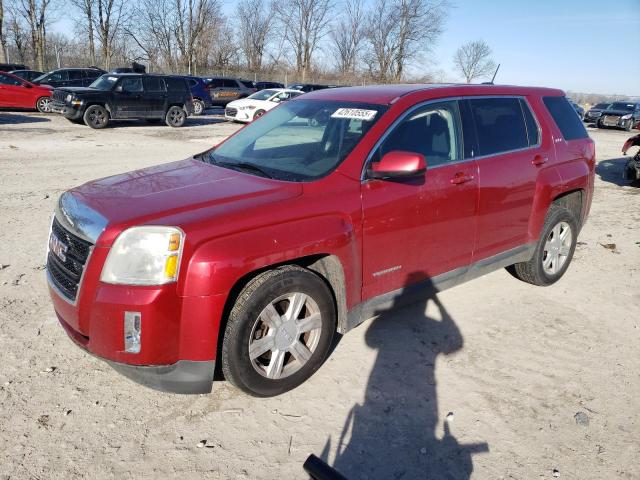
x=624 y=115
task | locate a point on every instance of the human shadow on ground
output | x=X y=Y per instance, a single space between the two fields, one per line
x=612 y=171
x=11 y=118
x=395 y=432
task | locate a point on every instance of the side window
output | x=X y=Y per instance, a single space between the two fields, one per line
x=216 y=83
x=7 y=80
x=131 y=84
x=91 y=73
x=432 y=131
x=193 y=83
x=75 y=74
x=500 y=125
x=61 y=76
x=229 y=83
x=153 y=84
x=533 y=131
x=175 y=84
x=565 y=117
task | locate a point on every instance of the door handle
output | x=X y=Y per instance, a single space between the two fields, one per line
x=461 y=177
x=539 y=160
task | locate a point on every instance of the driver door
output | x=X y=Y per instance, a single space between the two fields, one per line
x=423 y=226
x=127 y=98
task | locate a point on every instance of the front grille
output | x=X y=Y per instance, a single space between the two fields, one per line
x=59 y=95
x=610 y=120
x=231 y=112
x=66 y=274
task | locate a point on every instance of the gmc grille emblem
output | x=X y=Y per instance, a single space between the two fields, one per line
x=57 y=247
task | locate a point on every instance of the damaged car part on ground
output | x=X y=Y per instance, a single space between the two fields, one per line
x=250 y=256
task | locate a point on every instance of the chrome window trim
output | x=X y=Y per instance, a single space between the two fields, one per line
x=363 y=177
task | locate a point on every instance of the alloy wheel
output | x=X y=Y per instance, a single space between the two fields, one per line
x=44 y=104
x=285 y=335
x=557 y=248
x=97 y=116
x=176 y=117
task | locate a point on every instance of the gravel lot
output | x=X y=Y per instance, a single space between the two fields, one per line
x=497 y=379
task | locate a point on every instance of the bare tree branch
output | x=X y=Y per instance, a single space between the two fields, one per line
x=473 y=60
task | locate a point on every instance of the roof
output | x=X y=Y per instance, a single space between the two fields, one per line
x=387 y=94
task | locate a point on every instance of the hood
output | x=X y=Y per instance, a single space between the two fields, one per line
x=176 y=190
x=617 y=112
x=82 y=90
x=243 y=102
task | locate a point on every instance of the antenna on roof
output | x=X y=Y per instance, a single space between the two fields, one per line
x=495 y=73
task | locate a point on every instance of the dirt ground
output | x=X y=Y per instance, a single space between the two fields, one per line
x=494 y=379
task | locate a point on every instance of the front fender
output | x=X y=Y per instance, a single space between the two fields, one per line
x=217 y=265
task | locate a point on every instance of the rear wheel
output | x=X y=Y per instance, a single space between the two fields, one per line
x=198 y=107
x=279 y=331
x=176 y=116
x=43 y=104
x=554 y=250
x=96 y=116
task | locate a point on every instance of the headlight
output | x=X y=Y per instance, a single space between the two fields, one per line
x=144 y=256
x=626 y=117
x=69 y=97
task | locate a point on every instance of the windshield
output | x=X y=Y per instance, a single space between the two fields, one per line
x=105 y=82
x=262 y=95
x=602 y=106
x=622 y=106
x=40 y=78
x=299 y=141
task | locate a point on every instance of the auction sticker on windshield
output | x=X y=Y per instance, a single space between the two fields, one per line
x=354 y=113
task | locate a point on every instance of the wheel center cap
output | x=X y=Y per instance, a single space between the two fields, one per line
x=286 y=336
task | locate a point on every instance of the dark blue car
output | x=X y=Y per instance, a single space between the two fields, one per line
x=200 y=93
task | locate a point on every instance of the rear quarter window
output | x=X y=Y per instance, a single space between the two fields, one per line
x=175 y=84
x=565 y=118
x=500 y=125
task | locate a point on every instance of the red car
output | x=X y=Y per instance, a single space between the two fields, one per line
x=254 y=253
x=16 y=92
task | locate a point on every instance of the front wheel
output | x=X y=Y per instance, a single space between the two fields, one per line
x=258 y=114
x=176 y=116
x=279 y=331
x=96 y=116
x=554 y=250
x=44 y=104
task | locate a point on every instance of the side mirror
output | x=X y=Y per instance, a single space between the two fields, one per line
x=398 y=164
x=118 y=89
x=276 y=100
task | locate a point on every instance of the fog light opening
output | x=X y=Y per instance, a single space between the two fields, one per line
x=132 y=331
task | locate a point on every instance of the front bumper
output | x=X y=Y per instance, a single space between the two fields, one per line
x=244 y=116
x=65 y=110
x=184 y=376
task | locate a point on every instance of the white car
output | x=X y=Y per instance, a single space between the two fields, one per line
x=257 y=104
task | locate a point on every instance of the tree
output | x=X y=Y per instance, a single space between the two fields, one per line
x=255 y=23
x=109 y=21
x=87 y=7
x=473 y=60
x=191 y=21
x=3 y=36
x=35 y=13
x=305 y=23
x=400 y=30
x=347 y=36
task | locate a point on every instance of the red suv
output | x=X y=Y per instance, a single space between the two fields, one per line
x=250 y=256
x=16 y=92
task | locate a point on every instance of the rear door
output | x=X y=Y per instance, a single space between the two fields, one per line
x=154 y=97
x=89 y=76
x=57 y=79
x=76 y=79
x=420 y=227
x=510 y=151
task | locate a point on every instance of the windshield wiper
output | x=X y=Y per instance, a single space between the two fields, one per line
x=240 y=166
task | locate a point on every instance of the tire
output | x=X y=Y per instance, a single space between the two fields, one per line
x=629 y=126
x=198 y=107
x=599 y=124
x=289 y=352
x=258 y=114
x=96 y=116
x=549 y=263
x=43 y=104
x=175 y=117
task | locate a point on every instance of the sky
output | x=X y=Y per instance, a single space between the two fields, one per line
x=588 y=46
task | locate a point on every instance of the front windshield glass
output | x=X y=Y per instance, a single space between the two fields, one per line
x=105 y=82
x=262 y=95
x=40 y=78
x=299 y=141
x=621 y=106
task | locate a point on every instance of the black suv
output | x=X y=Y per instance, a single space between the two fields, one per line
x=69 y=77
x=126 y=96
x=308 y=87
x=226 y=89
